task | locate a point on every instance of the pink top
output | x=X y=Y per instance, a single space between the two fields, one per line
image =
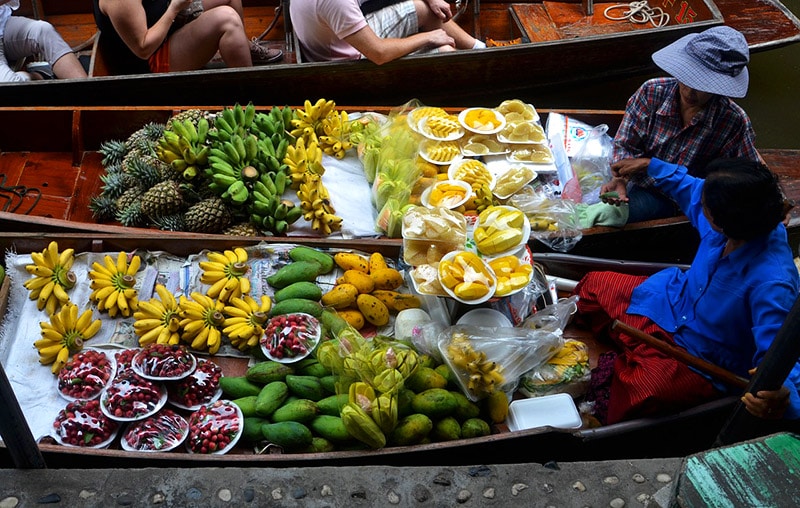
x=321 y=26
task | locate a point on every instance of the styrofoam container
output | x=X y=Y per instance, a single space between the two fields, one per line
x=558 y=411
x=485 y=317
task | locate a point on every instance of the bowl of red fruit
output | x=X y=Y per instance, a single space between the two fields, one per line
x=163 y=362
x=215 y=428
x=130 y=397
x=289 y=338
x=162 y=432
x=82 y=424
x=124 y=357
x=198 y=388
x=85 y=375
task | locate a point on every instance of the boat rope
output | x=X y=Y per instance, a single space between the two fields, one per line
x=639 y=13
x=20 y=192
x=278 y=13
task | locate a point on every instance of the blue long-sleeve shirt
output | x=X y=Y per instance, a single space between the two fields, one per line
x=726 y=310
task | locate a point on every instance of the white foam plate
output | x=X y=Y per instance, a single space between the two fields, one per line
x=558 y=411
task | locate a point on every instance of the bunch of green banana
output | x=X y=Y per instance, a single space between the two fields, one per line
x=267 y=210
x=244 y=322
x=307 y=121
x=226 y=273
x=231 y=168
x=301 y=158
x=157 y=320
x=277 y=122
x=64 y=335
x=201 y=319
x=112 y=284
x=316 y=205
x=52 y=277
x=335 y=137
x=184 y=147
x=236 y=120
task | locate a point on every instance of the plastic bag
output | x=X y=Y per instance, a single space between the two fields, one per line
x=554 y=317
x=592 y=163
x=487 y=359
x=554 y=222
x=568 y=371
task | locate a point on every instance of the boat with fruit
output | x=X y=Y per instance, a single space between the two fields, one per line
x=51 y=182
x=535 y=46
x=168 y=392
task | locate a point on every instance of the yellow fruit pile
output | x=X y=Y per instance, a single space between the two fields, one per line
x=512 y=274
x=447 y=194
x=467 y=276
x=481 y=119
x=499 y=229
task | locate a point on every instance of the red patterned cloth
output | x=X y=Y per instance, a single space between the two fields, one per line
x=645 y=381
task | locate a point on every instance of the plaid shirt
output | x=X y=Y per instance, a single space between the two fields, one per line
x=652 y=127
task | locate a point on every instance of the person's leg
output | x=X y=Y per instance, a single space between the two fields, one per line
x=429 y=21
x=34 y=37
x=647 y=204
x=221 y=29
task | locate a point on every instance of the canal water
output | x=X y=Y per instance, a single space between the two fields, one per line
x=773 y=98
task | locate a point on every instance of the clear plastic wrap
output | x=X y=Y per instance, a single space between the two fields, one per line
x=568 y=371
x=592 y=163
x=554 y=222
x=487 y=359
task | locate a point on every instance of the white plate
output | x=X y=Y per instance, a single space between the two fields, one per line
x=527 y=106
x=111 y=371
x=526 y=233
x=423 y=129
x=232 y=413
x=524 y=256
x=417 y=114
x=198 y=375
x=310 y=342
x=153 y=410
x=425 y=147
x=485 y=317
x=100 y=420
x=513 y=155
x=455 y=166
x=522 y=183
x=492 y=279
x=462 y=118
x=426 y=194
x=138 y=367
x=535 y=128
x=556 y=411
x=164 y=421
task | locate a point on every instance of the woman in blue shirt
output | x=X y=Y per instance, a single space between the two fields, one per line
x=726 y=308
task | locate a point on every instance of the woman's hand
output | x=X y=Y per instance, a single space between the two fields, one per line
x=629 y=167
x=614 y=192
x=767 y=404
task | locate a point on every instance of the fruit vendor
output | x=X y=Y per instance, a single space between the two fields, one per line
x=725 y=309
x=687 y=118
x=380 y=30
x=175 y=35
x=21 y=37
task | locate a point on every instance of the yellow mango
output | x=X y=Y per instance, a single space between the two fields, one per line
x=351 y=261
x=377 y=262
x=340 y=296
x=470 y=290
x=386 y=278
x=361 y=280
x=354 y=317
x=373 y=309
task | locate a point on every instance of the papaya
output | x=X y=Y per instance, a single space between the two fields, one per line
x=435 y=403
x=299 y=410
x=332 y=404
x=301 y=289
x=411 y=430
x=293 y=305
x=425 y=378
x=295 y=271
x=251 y=428
x=247 y=405
x=268 y=371
x=238 y=386
x=303 y=253
x=331 y=428
x=446 y=429
x=306 y=387
x=475 y=427
x=271 y=397
x=290 y=435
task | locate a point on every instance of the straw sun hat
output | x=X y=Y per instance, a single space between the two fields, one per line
x=713 y=61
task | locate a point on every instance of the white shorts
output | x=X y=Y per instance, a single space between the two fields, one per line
x=395 y=21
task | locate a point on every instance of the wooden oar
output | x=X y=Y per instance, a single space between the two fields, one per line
x=680 y=354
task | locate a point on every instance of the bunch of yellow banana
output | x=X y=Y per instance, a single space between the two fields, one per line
x=316 y=205
x=301 y=158
x=201 y=318
x=51 y=277
x=307 y=120
x=64 y=335
x=335 y=136
x=483 y=376
x=245 y=320
x=112 y=284
x=158 y=320
x=226 y=273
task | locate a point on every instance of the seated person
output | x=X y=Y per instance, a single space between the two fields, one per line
x=725 y=309
x=341 y=30
x=143 y=36
x=22 y=37
x=686 y=119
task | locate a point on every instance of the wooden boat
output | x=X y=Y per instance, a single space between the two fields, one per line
x=560 y=45
x=49 y=179
x=673 y=435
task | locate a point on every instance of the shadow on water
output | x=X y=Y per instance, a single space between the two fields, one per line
x=772 y=100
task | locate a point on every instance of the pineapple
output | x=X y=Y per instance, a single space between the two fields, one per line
x=144 y=171
x=174 y=222
x=114 y=184
x=208 y=216
x=191 y=114
x=129 y=197
x=163 y=198
x=132 y=216
x=242 y=229
x=113 y=151
x=104 y=208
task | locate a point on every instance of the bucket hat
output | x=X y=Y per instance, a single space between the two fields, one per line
x=713 y=61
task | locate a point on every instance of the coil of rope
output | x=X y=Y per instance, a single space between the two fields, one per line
x=11 y=193
x=639 y=13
